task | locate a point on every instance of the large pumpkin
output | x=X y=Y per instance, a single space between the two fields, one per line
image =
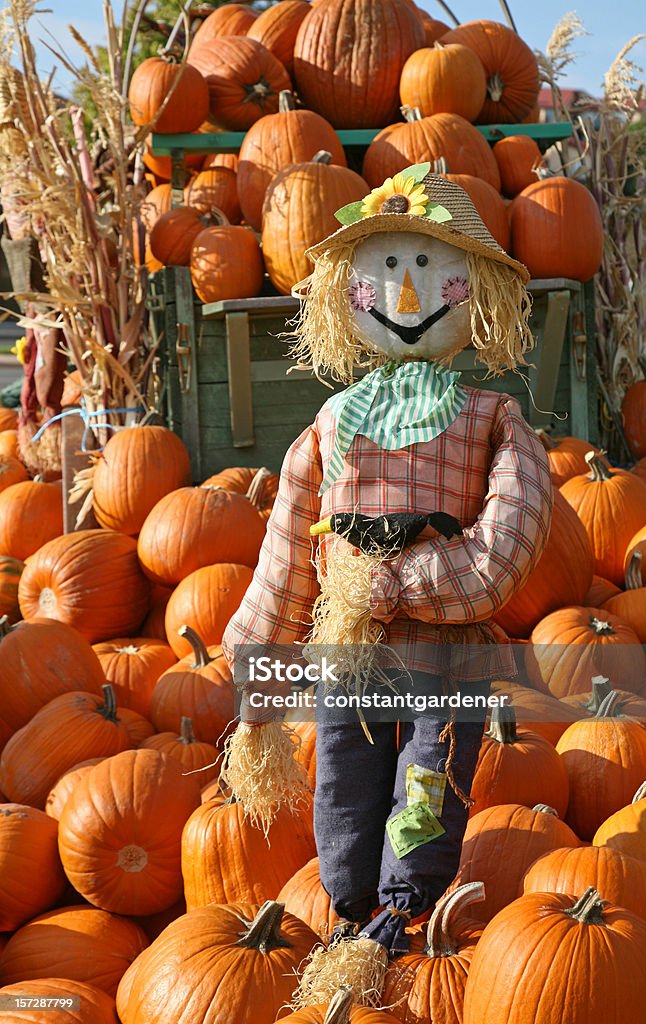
x=561 y=577
x=133 y=666
x=153 y=625
x=488 y=203
x=625 y=830
x=200 y=686
x=620 y=877
x=8 y=418
x=137 y=467
x=205 y=601
x=11 y=471
x=40 y=660
x=81 y=943
x=195 y=527
x=298 y=211
x=538 y=712
x=244 y=79
x=566 y=456
x=444 y=80
x=91 y=580
x=119 y=834
x=233 y=962
x=71 y=728
x=600 y=591
x=348 y=59
x=517 y=156
x=226 y=263
x=441 y=136
x=31 y=876
x=546 y=951
x=630 y=606
x=214 y=188
x=150 y=88
x=291 y=136
x=633 y=411
x=277 y=27
x=510 y=68
x=139 y=728
x=61 y=791
x=304 y=896
x=260 y=486
x=94 y=1005
x=8 y=440
x=556 y=229
x=193 y=756
x=10 y=572
x=31 y=513
x=261 y=866
x=227 y=20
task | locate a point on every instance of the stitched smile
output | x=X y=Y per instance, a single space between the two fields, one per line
x=409 y=335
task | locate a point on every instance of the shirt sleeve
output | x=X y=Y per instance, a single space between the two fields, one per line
x=469 y=578
x=278 y=603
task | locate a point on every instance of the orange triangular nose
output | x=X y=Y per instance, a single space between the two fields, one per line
x=408 y=301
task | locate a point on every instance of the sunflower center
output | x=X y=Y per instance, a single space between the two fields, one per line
x=396 y=204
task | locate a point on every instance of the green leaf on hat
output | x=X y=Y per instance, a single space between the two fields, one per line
x=438 y=214
x=349 y=214
x=416 y=171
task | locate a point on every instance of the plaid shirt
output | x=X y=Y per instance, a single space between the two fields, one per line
x=487 y=469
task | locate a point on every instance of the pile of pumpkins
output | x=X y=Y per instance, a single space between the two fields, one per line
x=292 y=75
x=128 y=879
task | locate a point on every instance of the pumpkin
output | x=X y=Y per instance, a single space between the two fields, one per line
x=488 y=203
x=433 y=28
x=153 y=626
x=205 y=601
x=556 y=229
x=299 y=210
x=216 y=792
x=244 y=79
x=291 y=136
x=510 y=68
x=444 y=80
x=633 y=412
x=139 y=728
x=8 y=419
x=119 y=833
x=341 y=1009
x=441 y=136
x=625 y=830
x=154 y=924
x=600 y=591
x=40 y=660
x=261 y=866
x=31 y=876
x=428 y=984
x=31 y=513
x=560 y=578
x=133 y=666
x=260 y=486
x=538 y=711
x=586 y=704
x=81 y=943
x=605 y=758
x=518 y=157
x=94 y=1005
x=161 y=167
x=8 y=441
x=59 y=793
x=194 y=756
x=10 y=573
x=219 y=159
x=226 y=263
x=227 y=20
x=137 y=467
x=214 y=188
x=630 y=606
x=500 y=843
x=172 y=238
x=277 y=27
x=239 y=960
x=566 y=456
x=637 y=544
x=305 y=897
x=200 y=686
x=570 y=646
x=620 y=877
x=11 y=472
x=195 y=527
x=91 y=580
x=150 y=89
x=517 y=767
x=71 y=728
x=349 y=56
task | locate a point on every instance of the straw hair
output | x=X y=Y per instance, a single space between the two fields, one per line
x=358 y=964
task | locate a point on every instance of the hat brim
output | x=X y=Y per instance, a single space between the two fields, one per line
x=383 y=222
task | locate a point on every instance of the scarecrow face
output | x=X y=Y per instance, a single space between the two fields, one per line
x=409 y=296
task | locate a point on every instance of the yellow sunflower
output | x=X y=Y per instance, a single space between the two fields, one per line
x=398 y=194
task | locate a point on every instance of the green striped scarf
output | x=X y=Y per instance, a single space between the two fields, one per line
x=396 y=405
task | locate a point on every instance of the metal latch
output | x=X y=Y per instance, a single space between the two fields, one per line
x=183 y=350
x=579 y=345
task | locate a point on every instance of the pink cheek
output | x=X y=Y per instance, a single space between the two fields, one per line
x=362 y=297
x=455 y=290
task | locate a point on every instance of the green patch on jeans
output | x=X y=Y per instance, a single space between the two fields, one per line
x=415 y=826
x=425 y=786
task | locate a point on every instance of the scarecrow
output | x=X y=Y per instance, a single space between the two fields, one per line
x=430 y=503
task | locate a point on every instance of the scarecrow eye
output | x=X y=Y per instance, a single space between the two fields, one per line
x=391 y=261
x=421 y=260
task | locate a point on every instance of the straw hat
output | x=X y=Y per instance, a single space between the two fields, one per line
x=428 y=204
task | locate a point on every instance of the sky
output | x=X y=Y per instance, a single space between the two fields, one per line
x=610 y=25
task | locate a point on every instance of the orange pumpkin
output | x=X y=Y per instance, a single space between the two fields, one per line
x=260 y=486
x=537 y=711
x=31 y=876
x=205 y=600
x=94 y=1005
x=133 y=665
x=244 y=79
x=620 y=877
x=277 y=27
x=349 y=56
x=566 y=456
x=633 y=411
x=139 y=728
x=161 y=168
x=59 y=794
x=153 y=626
x=215 y=188
x=172 y=238
x=341 y=1009
x=625 y=830
x=31 y=513
x=600 y=591
x=194 y=756
x=8 y=419
x=184 y=108
x=8 y=441
x=10 y=572
x=630 y=606
x=586 y=704
x=91 y=580
x=227 y=20
x=226 y=263
x=488 y=203
x=305 y=897
x=444 y=79
x=11 y=472
x=556 y=229
x=517 y=156
x=119 y=834
x=510 y=67
x=637 y=544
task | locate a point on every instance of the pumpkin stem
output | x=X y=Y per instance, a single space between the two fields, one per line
x=5 y=626
x=200 y=653
x=609 y=707
x=263 y=933
x=588 y=909
x=601 y=627
x=640 y=794
x=634 y=571
x=495 y=87
x=502 y=728
x=286 y=101
x=411 y=114
x=258 y=92
x=322 y=157
x=600 y=689
x=440 y=166
x=440 y=940
x=186 y=730
x=257 y=486
x=549 y=444
x=545 y=809
x=599 y=470
x=109 y=707
x=218 y=216
x=338 y=1010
